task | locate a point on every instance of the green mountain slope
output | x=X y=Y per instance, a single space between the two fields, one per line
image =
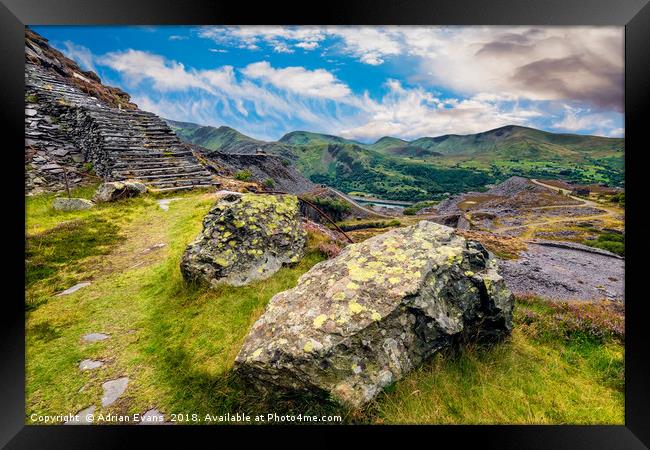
x=428 y=167
x=309 y=138
x=226 y=140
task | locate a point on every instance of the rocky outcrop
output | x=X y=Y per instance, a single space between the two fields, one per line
x=358 y=322
x=245 y=237
x=74 y=125
x=263 y=167
x=71 y=204
x=115 y=190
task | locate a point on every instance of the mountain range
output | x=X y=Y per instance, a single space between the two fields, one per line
x=428 y=167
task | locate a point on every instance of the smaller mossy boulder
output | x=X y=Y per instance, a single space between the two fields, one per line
x=71 y=204
x=245 y=237
x=115 y=190
x=356 y=323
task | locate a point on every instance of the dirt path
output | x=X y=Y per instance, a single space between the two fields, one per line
x=584 y=201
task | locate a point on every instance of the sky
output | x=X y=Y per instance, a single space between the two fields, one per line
x=362 y=83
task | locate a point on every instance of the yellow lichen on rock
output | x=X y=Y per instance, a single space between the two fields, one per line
x=320 y=320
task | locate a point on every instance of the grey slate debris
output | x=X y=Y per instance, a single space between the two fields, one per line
x=89 y=364
x=94 y=337
x=113 y=389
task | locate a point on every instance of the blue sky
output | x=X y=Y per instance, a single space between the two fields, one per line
x=362 y=82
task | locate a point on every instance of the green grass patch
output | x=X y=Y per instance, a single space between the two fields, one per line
x=564 y=364
x=373 y=224
x=244 y=175
x=612 y=242
x=53 y=259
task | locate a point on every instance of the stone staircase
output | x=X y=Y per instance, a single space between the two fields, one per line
x=121 y=144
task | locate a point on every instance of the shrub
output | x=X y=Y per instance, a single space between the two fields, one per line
x=244 y=175
x=329 y=249
x=414 y=208
x=269 y=183
x=611 y=242
x=593 y=321
x=334 y=208
x=618 y=198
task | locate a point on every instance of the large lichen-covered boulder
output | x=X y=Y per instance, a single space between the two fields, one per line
x=115 y=190
x=358 y=322
x=245 y=237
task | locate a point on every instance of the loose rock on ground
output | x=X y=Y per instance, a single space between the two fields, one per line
x=113 y=389
x=71 y=204
x=115 y=190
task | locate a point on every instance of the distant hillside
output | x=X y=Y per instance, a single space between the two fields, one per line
x=308 y=138
x=227 y=140
x=428 y=167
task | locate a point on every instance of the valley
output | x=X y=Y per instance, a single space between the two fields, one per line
x=429 y=168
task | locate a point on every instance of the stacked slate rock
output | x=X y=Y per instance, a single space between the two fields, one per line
x=65 y=126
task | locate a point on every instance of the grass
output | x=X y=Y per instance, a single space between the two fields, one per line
x=370 y=224
x=177 y=342
x=612 y=242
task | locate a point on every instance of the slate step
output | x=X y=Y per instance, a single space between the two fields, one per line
x=177 y=175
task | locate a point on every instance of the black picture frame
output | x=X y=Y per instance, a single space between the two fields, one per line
x=633 y=14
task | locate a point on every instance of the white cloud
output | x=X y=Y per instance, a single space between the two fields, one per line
x=82 y=55
x=312 y=83
x=371 y=45
x=275 y=95
x=583 y=64
x=281 y=39
x=578 y=119
x=413 y=113
x=136 y=65
x=307 y=45
x=176 y=37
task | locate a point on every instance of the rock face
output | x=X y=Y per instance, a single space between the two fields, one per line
x=356 y=323
x=245 y=237
x=263 y=167
x=71 y=204
x=111 y=191
x=77 y=128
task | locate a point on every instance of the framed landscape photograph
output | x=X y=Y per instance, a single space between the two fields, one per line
x=385 y=214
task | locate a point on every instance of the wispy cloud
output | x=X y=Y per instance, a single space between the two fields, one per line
x=583 y=64
x=82 y=55
x=436 y=80
x=311 y=83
